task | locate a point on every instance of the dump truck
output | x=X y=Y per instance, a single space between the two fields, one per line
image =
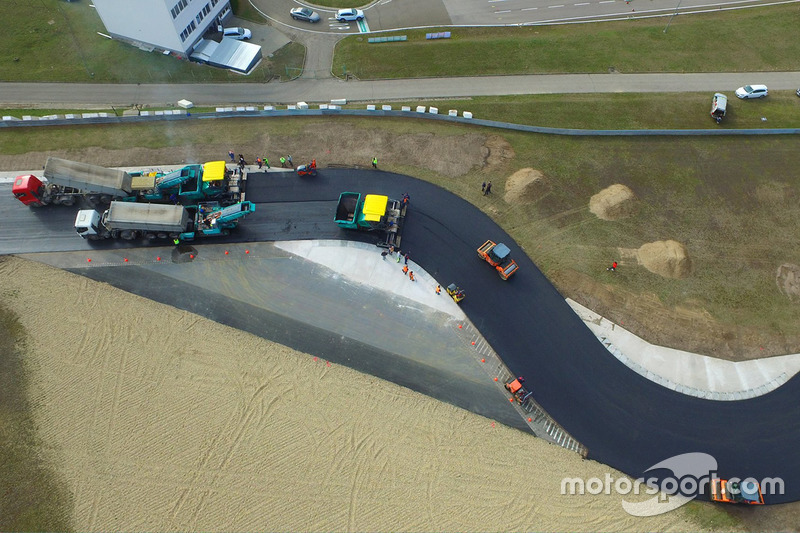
x=131 y=220
x=68 y=181
x=372 y=212
x=734 y=491
x=498 y=255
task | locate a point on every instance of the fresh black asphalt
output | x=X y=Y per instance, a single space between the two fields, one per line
x=625 y=420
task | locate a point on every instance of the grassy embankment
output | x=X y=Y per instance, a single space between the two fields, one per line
x=587 y=111
x=730 y=41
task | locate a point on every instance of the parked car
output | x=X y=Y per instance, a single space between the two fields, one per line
x=797 y=92
x=752 y=91
x=343 y=15
x=240 y=34
x=303 y=13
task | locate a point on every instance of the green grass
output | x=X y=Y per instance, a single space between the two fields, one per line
x=590 y=111
x=618 y=111
x=33 y=497
x=53 y=40
x=718 y=42
x=711 y=517
x=57 y=41
x=245 y=10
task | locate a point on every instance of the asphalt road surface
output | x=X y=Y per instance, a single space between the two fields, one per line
x=625 y=420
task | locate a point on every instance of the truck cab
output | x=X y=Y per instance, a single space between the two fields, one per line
x=28 y=190
x=87 y=223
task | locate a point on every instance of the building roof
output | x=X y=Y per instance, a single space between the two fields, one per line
x=228 y=53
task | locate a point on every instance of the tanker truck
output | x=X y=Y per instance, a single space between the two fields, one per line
x=130 y=220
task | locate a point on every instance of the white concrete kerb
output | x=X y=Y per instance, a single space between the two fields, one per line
x=362 y=263
x=690 y=373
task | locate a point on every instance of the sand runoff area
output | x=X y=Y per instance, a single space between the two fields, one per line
x=160 y=420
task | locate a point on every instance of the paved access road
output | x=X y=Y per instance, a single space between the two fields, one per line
x=625 y=420
x=323 y=90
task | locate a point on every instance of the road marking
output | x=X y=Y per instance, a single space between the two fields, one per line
x=492 y=1
x=528 y=8
x=363 y=27
x=583 y=4
x=504 y=11
x=551 y=7
x=607 y=1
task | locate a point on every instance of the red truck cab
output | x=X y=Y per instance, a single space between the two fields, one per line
x=28 y=189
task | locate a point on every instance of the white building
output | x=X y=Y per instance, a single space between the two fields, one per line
x=176 y=26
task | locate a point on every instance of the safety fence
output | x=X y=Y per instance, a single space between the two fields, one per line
x=429 y=113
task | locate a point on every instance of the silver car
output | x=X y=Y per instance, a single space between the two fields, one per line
x=303 y=13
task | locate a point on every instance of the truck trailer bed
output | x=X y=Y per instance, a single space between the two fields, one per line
x=146 y=217
x=86 y=177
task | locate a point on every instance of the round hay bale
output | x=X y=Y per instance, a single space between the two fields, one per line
x=788 y=280
x=614 y=203
x=525 y=186
x=666 y=258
